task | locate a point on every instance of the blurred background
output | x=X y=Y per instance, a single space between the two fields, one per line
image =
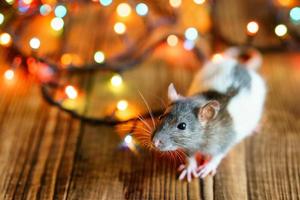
x=58 y=43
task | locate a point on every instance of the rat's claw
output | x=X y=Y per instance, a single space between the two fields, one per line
x=182 y=175
x=181 y=167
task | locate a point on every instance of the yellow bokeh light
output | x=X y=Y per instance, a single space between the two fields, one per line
x=34 y=43
x=217 y=57
x=286 y=2
x=99 y=57
x=172 y=40
x=10 y=2
x=122 y=105
x=175 y=3
x=199 y=1
x=5 y=39
x=281 y=30
x=123 y=10
x=57 y=23
x=116 y=80
x=27 y=2
x=66 y=59
x=71 y=92
x=119 y=28
x=9 y=74
x=252 y=28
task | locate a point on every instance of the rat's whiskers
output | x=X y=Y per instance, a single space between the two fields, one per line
x=149 y=110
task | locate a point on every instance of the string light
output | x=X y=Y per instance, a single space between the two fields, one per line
x=295 y=14
x=60 y=11
x=27 y=2
x=122 y=105
x=217 y=57
x=141 y=9
x=128 y=139
x=9 y=74
x=175 y=3
x=124 y=9
x=5 y=39
x=105 y=2
x=116 y=80
x=1 y=18
x=280 y=30
x=191 y=33
x=71 y=92
x=10 y=2
x=285 y=2
x=99 y=57
x=57 y=23
x=45 y=9
x=34 y=43
x=172 y=40
x=199 y=1
x=252 y=28
x=120 y=28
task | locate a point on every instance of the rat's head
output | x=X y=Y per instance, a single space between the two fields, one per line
x=183 y=124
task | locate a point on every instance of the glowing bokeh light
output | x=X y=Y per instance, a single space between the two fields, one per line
x=57 y=23
x=128 y=139
x=285 y=2
x=66 y=59
x=252 y=28
x=124 y=9
x=45 y=9
x=27 y=2
x=175 y=3
x=116 y=80
x=191 y=33
x=5 y=39
x=172 y=40
x=295 y=14
x=1 y=18
x=105 y=2
x=34 y=43
x=10 y=2
x=199 y=1
x=217 y=57
x=119 y=28
x=71 y=92
x=141 y=9
x=99 y=57
x=60 y=11
x=9 y=74
x=122 y=105
x=280 y=30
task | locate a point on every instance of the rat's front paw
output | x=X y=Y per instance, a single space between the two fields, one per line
x=209 y=168
x=187 y=171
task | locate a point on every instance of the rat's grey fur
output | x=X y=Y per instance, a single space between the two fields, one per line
x=211 y=138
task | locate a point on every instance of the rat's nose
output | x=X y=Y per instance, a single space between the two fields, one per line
x=157 y=142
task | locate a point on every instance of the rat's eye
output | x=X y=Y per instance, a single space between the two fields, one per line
x=181 y=126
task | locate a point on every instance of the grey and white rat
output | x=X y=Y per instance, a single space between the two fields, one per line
x=226 y=106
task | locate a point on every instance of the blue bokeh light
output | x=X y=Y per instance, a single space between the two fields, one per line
x=105 y=2
x=141 y=9
x=295 y=14
x=191 y=33
x=60 y=11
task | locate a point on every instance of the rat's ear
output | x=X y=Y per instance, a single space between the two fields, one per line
x=209 y=111
x=172 y=93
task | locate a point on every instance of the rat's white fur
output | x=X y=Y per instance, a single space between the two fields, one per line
x=245 y=108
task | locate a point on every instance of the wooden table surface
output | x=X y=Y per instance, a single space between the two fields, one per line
x=46 y=154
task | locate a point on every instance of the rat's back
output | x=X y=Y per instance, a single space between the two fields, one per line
x=242 y=83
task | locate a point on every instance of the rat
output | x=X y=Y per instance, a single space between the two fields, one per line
x=224 y=105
